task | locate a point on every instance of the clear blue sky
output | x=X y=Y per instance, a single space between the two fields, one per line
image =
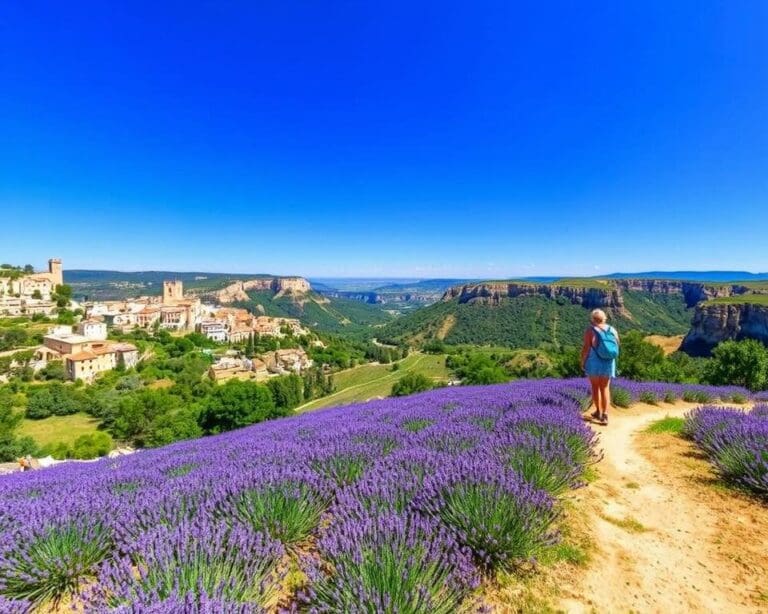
x=482 y=139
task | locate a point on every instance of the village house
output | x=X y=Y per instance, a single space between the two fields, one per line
x=85 y=356
x=280 y=362
x=214 y=330
x=93 y=328
x=100 y=357
x=31 y=294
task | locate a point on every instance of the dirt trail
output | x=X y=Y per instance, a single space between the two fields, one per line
x=668 y=538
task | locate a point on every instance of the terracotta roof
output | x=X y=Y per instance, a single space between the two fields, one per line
x=124 y=347
x=81 y=356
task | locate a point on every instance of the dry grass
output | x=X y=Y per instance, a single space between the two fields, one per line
x=668 y=344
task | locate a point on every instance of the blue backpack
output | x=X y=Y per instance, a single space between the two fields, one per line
x=607 y=344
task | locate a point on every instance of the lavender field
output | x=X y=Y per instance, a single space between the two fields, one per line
x=399 y=505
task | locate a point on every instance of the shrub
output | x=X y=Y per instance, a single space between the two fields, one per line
x=389 y=563
x=410 y=384
x=288 y=510
x=92 y=445
x=191 y=558
x=621 y=397
x=689 y=396
x=48 y=562
x=648 y=396
x=546 y=462
x=493 y=510
x=670 y=397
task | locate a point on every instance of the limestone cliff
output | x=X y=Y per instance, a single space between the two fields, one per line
x=608 y=297
x=716 y=322
x=604 y=294
x=693 y=291
x=238 y=291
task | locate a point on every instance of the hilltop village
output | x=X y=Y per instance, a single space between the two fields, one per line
x=84 y=347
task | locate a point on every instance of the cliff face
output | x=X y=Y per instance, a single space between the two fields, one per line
x=492 y=293
x=238 y=291
x=693 y=292
x=611 y=296
x=713 y=323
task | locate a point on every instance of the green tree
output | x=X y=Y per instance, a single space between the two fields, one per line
x=740 y=363
x=639 y=359
x=55 y=399
x=92 y=445
x=12 y=338
x=62 y=295
x=170 y=427
x=54 y=370
x=11 y=445
x=237 y=404
x=287 y=391
x=411 y=383
x=135 y=414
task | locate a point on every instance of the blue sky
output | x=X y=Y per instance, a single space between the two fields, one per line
x=481 y=139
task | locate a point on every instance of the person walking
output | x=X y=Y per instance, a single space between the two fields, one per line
x=598 y=360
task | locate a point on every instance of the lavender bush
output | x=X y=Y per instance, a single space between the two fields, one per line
x=735 y=441
x=393 y=505
x=389 y=563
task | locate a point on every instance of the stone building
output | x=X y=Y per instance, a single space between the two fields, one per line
x=31 y=294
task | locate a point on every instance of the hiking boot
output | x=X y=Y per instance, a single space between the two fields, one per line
x=595 y=415
x=604 y=419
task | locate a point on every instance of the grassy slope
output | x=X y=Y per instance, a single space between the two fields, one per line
x=371 y=381
x=59 y=428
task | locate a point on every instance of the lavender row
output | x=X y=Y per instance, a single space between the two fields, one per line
x=735 y=441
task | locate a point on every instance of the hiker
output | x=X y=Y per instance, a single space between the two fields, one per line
x=598 y=361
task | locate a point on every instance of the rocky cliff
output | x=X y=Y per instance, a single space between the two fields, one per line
x=716 y=322
x=238 y=291
x=608 y=297
x=605 y=294
x=693 y=291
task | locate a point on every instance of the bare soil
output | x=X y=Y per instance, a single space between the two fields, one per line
x=668 y=344
x=668 y=536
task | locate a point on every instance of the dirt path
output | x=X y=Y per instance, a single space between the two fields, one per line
x=668 y=537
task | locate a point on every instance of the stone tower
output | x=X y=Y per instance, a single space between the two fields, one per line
x=55 y=272
x=173 y=291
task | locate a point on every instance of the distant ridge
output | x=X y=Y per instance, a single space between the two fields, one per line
x=691 y=275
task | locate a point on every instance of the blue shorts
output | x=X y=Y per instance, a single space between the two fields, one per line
x=599 y=367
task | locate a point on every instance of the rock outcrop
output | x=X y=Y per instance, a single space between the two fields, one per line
x=605 y=294
x=716 y=322
x=608 y=297
x=693 y=291
x=238 y=291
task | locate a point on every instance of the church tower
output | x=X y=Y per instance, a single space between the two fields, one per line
x=173 y=291
x=55 y=272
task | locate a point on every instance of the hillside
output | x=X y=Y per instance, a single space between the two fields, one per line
x=523 y=314
x=318 y=312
